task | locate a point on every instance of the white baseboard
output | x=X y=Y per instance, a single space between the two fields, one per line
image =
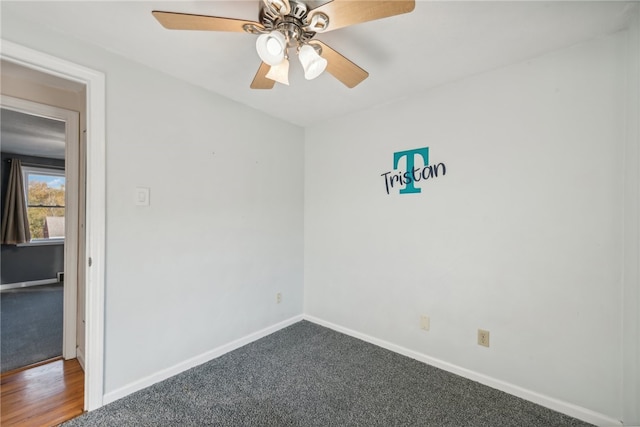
x=27 y=284
x=80 y=357
x=195 y=361
x=572 y=410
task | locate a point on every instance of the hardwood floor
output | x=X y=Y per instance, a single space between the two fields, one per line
x=44 y=395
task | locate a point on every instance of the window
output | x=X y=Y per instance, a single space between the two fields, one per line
x=45 y=190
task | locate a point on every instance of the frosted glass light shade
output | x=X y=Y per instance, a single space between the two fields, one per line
x=312 y=63
x=271 y=47
x=280 y=72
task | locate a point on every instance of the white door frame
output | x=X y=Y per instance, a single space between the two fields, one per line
x=95 y=224
x=72 y=168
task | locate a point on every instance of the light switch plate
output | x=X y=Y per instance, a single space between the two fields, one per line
x=424 y=322
x=141 y=196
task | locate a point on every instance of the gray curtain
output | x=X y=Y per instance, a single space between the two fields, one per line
x=15 y=222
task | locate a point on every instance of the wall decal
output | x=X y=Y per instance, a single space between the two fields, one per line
x=413 y=175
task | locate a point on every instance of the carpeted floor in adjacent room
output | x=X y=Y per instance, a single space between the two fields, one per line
x=308 y=375
x=30 y=325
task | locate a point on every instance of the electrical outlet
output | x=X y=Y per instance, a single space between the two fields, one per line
x=483 y=337
x=424 y=322
x=278 y=298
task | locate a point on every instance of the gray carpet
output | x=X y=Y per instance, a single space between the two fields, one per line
x=307 y=375
x=30 y=325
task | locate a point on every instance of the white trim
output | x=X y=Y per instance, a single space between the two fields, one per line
x=195 y=361
x=28 y=284
x=541 y=399
x=96 y=193
x=71 y=174
x=80 y=358
x=44 y=242
x=96 y=239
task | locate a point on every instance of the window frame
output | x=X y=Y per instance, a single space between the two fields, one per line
x=43 y=170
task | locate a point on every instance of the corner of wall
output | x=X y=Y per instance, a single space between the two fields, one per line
x=631 y=272
x=554 y=404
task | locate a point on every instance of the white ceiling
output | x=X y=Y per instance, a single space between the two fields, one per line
x=438 y=42
x=31 y=135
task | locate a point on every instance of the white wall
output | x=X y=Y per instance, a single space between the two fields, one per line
x=201 y=266
x=631 y=292
x=523 y=236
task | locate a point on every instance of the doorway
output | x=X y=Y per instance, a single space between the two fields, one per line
x=42 y=143
x=94 y=230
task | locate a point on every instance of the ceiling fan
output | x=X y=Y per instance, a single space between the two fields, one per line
x=292 y=24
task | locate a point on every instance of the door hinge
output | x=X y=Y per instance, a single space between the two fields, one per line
x=90 y=261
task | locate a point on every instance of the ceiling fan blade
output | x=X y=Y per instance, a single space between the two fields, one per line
x=340 y=67
x=185 y=21
x=260 y=81
x=343 y=13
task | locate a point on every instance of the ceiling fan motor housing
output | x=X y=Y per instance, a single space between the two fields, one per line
x=294 y=25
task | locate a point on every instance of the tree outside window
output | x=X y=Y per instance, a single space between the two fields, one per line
x=45 y=194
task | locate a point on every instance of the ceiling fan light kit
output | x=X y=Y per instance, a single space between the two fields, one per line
x=312 y=63
x=280 y=72
x=291 y=24
x=290 y=27
x=271 y=47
